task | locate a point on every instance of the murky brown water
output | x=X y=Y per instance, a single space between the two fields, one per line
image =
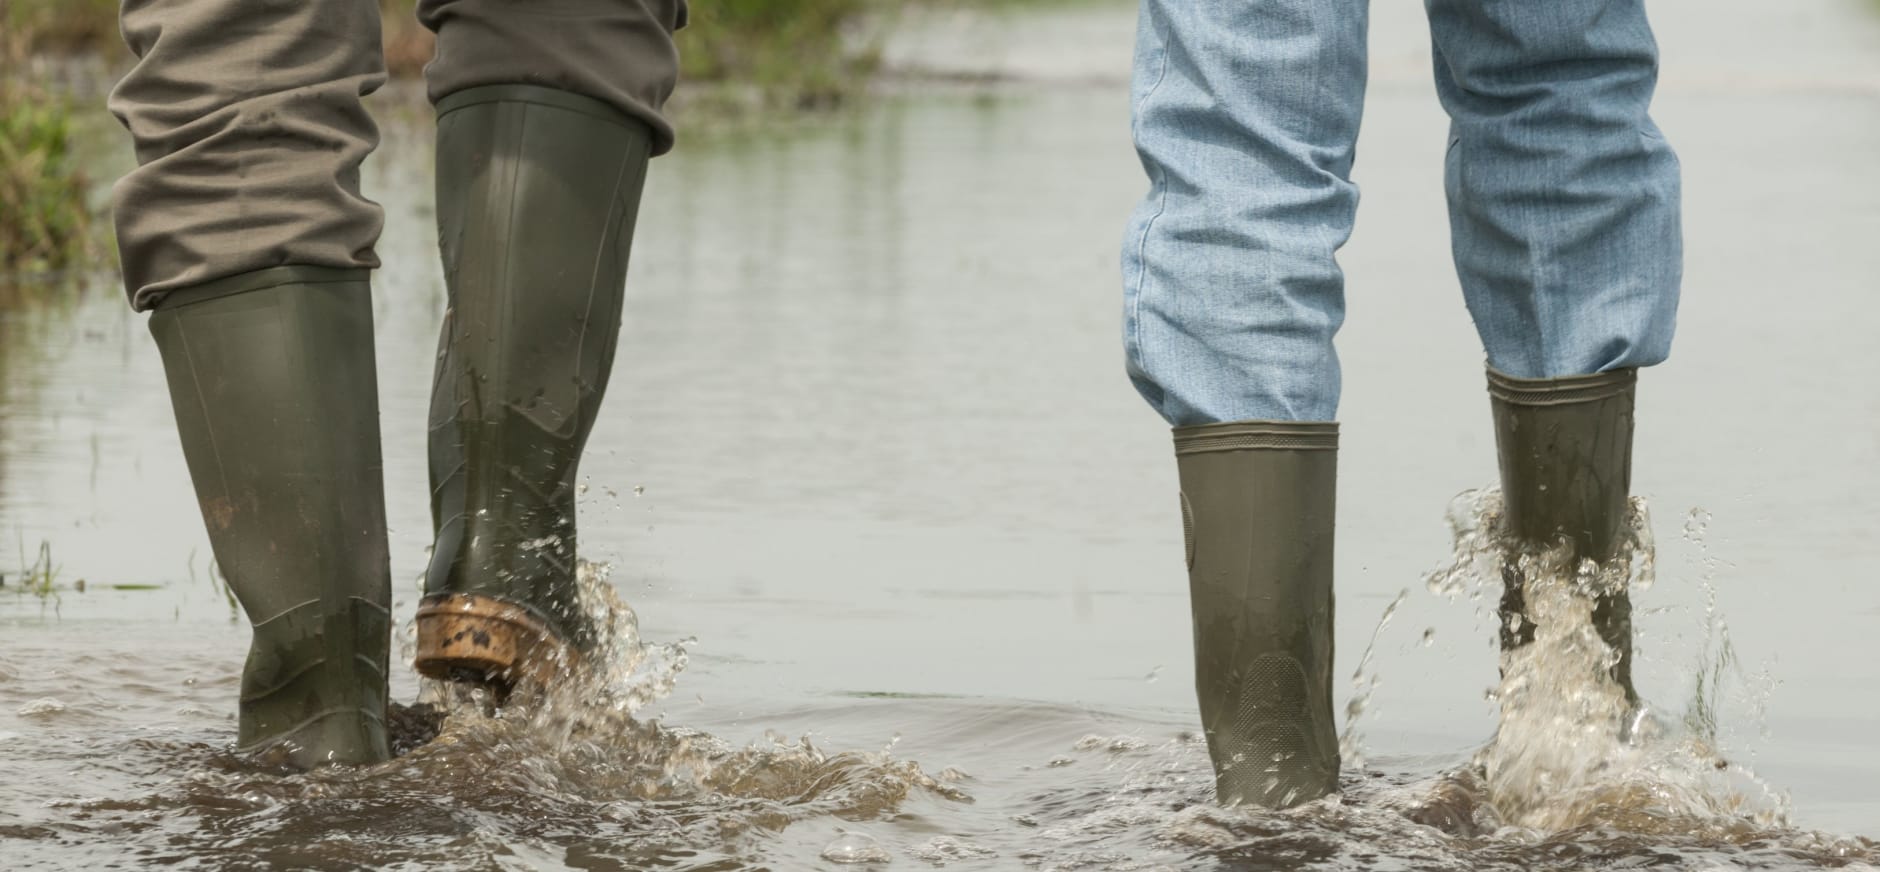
x=871 y=462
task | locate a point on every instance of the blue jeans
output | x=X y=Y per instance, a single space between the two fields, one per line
x=1563 y=196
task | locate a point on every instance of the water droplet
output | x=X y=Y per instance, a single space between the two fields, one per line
x=854 y=848
x=639 y=489
x=1429 y=637
x=1695 y=524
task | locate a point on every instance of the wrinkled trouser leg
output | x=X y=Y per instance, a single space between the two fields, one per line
x=619 y=52
x=1245 y=118
x=249 y=133
x=1563 y=196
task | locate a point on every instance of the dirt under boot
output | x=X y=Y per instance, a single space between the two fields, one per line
x=1258 y=505
x=538 y=190
x=1565 y=451
x=276 y=395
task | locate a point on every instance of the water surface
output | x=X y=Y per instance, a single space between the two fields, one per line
x=869 y=447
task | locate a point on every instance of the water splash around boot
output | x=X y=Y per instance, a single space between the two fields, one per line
x=1570 y=749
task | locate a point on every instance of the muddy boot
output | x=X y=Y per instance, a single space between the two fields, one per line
x=1257 y=504
x=1565 y=448
x=276 y=396
x=537 y=192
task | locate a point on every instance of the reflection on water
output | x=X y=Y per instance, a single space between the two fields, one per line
x=898 y=540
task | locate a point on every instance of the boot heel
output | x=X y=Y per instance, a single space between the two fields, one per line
x=486 y=640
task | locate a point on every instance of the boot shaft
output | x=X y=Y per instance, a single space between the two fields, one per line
x=1258 y=505
x=538 y=194
x=1564 y=446
x=275 y=391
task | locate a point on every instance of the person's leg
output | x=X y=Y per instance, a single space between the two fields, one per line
x=1245 y=117
x=616 y=52
x=249 y=132
x=547 y=116
x=1563 y=195
x=1563 y=200
x=244 y=230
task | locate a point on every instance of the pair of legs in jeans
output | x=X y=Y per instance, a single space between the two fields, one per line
x=1563 y=208
x=245 y=233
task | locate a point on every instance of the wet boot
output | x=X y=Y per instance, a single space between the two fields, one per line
x=1565 y=450
x=276 y=396
x=1257 y=502
x=537 y=193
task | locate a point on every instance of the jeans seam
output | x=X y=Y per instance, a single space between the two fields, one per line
x=1133 y=317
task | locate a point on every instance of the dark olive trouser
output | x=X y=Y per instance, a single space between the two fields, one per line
x=250 y=129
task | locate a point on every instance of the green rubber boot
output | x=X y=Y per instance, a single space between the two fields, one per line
x=1258 y=501
x=276 y=395
x=537 y=193
x=1565 y=450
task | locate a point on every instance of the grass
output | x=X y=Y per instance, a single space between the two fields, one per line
x=45 y=229
x=40 y=578
x=408 y=46
x=63 y=26
x=794 y=53
x=767 y=54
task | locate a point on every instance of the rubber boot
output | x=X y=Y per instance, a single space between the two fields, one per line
x=276 y=396
x=1565 y=450
x=537 y=192
x=1258 y=501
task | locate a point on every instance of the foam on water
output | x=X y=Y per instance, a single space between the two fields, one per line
x=1574 y=777
x=1570 y=748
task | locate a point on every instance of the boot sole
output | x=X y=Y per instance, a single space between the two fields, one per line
x=482 y=639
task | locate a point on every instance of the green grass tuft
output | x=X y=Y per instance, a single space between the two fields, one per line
x=45 y=227
x=63 y=26
x=795 y=53
x=41 y=577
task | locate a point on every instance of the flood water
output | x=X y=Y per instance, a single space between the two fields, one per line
x=903 y=544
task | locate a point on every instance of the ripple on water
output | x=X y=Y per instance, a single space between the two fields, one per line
x=570 y=776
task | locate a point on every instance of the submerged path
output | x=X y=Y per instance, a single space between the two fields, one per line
x=869 y=442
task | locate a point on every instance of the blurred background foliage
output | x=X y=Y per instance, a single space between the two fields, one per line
x=735 y=55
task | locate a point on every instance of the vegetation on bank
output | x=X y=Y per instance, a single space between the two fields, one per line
x=795 y=52
x=792 y=53
x=786 y=54
x=798 y=53
x=45 y=227
x=62 y=26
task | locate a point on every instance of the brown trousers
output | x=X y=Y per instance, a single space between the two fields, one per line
x=249 y=125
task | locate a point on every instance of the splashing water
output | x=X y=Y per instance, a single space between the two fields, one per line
x=578 y=776
x=567 y=771
x=1570 y=749
x=581 y=736
x=1364 y=682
